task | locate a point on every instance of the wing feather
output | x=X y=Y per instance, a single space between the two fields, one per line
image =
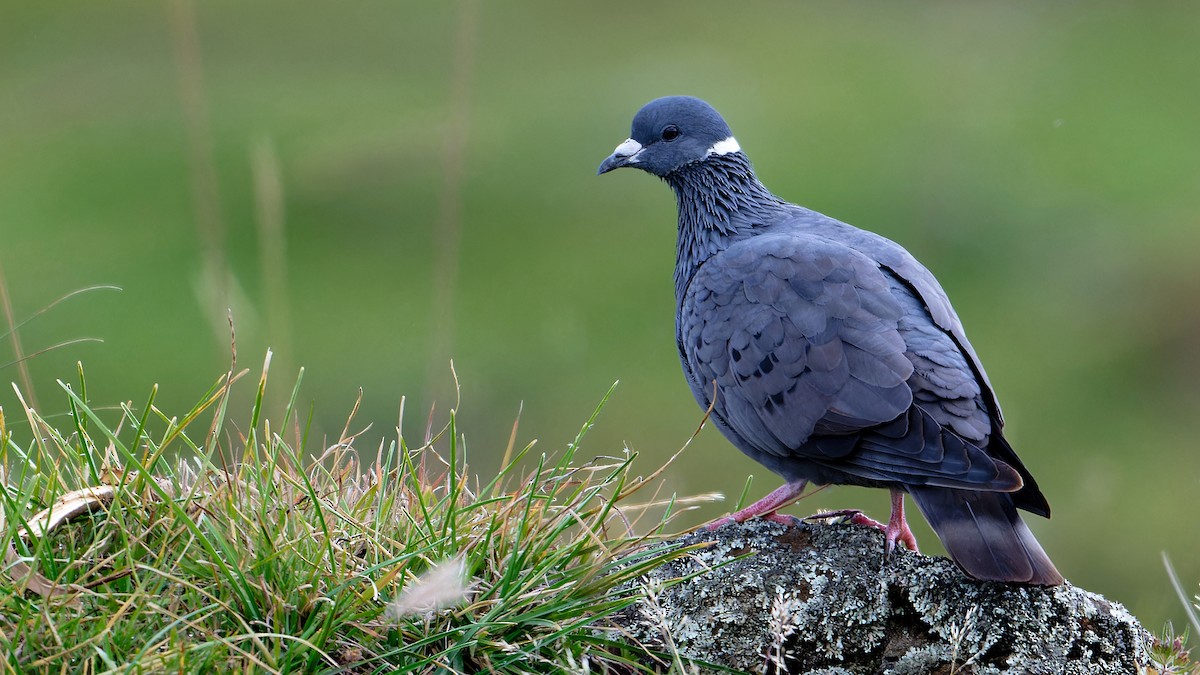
x=819 y=353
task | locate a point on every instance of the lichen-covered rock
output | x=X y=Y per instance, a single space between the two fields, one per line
x=821 y=599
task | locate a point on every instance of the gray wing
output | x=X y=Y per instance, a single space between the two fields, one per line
x=921 y=285
x=818 y=353
x=800 y=335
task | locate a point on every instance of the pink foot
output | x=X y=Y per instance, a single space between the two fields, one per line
x=853 y=516
x=780 y=518
x=896 y=530
x=766 y=507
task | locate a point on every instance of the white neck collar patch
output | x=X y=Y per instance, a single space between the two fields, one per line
x=724 y=147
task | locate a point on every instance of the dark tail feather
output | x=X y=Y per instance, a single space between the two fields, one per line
x=985 y=536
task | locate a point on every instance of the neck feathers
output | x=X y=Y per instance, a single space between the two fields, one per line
x=720 y=201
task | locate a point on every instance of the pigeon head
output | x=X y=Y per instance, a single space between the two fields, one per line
x=670 y=133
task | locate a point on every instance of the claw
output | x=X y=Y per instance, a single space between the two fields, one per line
x=855 y=516
x=783 y=519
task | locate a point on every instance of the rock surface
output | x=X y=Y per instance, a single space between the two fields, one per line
x=821 y=599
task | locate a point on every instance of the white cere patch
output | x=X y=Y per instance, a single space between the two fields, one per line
x=724 y=147
x=628 y=149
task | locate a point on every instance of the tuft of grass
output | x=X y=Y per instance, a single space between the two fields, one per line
x=1169 y=654
x=227 y=547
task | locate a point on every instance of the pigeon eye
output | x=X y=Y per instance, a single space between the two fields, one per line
x=670 y=133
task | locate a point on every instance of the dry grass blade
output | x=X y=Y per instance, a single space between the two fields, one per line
x=67 y=507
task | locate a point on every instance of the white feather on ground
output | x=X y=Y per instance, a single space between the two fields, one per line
x=441 y=586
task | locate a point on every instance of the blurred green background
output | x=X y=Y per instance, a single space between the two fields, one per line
x=434 y=164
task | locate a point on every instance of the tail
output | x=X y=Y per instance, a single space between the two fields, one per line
x=985 y=536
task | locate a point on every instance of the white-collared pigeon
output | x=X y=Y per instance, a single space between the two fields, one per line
x=834 y=356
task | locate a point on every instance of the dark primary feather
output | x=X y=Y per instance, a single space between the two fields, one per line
x=836 y=356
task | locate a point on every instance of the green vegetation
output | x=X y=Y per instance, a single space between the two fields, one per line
x=1040 y=158
x=223 y=548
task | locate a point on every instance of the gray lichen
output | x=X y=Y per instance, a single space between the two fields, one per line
x=821 y=599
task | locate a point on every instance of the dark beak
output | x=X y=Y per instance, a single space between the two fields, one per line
x=625 y=155
x=613 y=162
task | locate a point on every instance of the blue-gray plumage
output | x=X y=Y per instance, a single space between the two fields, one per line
x=834 y=355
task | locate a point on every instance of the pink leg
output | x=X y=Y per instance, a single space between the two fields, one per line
x=896 y=529
x=766 y=507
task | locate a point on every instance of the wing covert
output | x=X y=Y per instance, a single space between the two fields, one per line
x=801 y=336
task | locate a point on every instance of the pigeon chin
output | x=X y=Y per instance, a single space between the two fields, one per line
x=626 y=154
